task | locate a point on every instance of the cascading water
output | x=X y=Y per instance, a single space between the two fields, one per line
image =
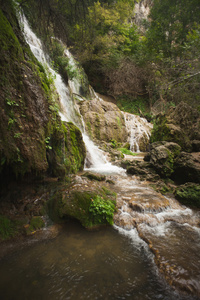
x=139 y=131
x=170 y=230
x=69 y=108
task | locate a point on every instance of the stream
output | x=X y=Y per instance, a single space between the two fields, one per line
x=152 y=251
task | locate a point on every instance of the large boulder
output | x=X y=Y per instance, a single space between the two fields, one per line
x=104 y=121
x=162 y=157
x=187 y=168
x=87 y=200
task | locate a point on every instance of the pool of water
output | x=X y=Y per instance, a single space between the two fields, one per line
x=81 y=264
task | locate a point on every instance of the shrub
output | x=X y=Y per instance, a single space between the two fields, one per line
x=102 y=211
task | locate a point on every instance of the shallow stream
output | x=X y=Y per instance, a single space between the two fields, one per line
x=80 y=264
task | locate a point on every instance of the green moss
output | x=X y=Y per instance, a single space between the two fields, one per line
x=97 y=127
x=89 y=129
x=133 y=105
x=75 y=148
x=9 y=42
x=189 y=194
x=161 y=131
x=127 y=152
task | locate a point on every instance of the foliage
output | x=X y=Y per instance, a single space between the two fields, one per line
x=171 y=23
x=172 y=44
x=102 y=211
x=127 y=152
x=133 y=105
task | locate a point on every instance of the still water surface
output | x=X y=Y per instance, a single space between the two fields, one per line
x=80 y=264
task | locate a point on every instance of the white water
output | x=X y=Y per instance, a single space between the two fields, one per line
x=69 y=111
x=139 y=130
x=157 y=225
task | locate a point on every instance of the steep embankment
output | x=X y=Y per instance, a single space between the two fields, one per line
x=33 y=140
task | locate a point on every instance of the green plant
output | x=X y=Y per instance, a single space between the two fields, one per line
x=102 y=210
x=17 y=135
x=114 y=143
x=11 y=122
x=127 y=152
x=47 y=141
x=11 y=102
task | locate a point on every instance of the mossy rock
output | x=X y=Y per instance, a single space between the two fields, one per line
x=93 y=176
x=80 y=205
x=163 y=156
x=189 y=194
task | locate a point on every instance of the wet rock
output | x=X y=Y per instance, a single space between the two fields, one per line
x=171 y=250
x=93 y=176
x=152 y=202
x=140 y=168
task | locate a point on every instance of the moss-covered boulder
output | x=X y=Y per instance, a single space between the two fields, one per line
x=104 y=121
x=91 y=203
x=163 y=156
x=189 y=194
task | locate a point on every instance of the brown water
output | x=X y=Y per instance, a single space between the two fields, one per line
x=79 y=264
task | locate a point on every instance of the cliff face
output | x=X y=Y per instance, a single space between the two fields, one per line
x=33 y=140
x=142 y=10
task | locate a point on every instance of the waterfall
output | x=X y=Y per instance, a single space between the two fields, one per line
x=139 y=131
x=69 y=111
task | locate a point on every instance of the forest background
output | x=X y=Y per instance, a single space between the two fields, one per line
x=139 y=66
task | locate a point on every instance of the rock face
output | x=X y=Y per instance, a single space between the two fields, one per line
x=142 y=10
x=169 y=161
x=104 y=121
x=33 y=139
x=180 y=125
